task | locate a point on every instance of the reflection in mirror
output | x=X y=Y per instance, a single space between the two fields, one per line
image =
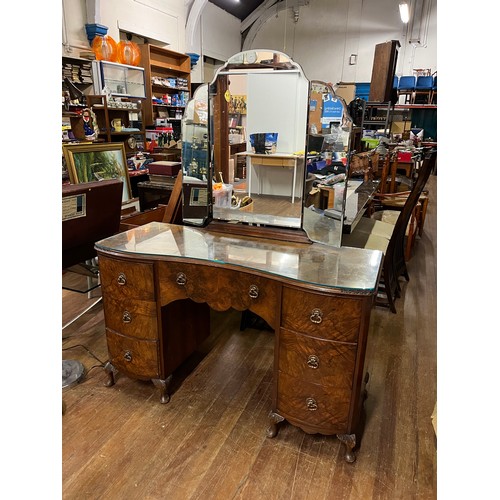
x=328 y=147
x=195 y=159
x=259 y=102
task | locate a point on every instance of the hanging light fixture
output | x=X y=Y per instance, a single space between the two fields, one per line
x=404 y=12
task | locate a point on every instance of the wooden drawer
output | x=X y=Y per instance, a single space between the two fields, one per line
x=318 y=361
x=135 y=318
x=126 y=279
x=327 y=317
x=273 y=162
x=314 y=405
x=137 y=358
x=221 y=288
x=179 y=280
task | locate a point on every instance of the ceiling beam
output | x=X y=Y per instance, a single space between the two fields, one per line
x=271 y=11
x=254 y=15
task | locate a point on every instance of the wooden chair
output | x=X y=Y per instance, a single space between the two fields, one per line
x=374 y=234
x=392 y=194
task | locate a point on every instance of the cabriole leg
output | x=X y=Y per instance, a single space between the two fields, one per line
x=275 y=419
x=163 y=385
x=350 y=442
x=109 y=369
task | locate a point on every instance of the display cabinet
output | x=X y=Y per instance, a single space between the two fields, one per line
x=120 y=79
x=168 y=84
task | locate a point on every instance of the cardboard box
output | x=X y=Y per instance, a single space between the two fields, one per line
x=398 y=127
x=346 y=90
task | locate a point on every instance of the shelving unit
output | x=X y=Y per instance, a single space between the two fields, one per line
x=378 y=115
x=105 y=114
x=79 y=72
x=167 y=73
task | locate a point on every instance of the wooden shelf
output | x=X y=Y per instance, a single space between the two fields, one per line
x=415 y=106
x=105 y=115
x=168 y=106
x=162 y=63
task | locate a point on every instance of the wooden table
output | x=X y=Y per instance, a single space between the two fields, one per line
x=159 y=282
x=283 y=160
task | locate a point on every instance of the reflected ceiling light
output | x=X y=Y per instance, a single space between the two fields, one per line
x=404 y=12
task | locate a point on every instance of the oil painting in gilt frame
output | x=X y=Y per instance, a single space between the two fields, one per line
x=97 y=162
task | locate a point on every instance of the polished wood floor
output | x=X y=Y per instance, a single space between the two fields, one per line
x=209 y=441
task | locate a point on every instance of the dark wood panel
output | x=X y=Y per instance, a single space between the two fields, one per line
x=384 y=67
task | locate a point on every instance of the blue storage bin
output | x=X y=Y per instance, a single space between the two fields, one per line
x=363 y=91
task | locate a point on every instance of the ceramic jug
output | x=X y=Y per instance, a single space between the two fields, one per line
x=117 y=124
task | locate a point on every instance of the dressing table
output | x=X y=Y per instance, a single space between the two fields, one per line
x=160 y=280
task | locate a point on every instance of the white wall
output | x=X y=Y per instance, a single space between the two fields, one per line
x=326 y=34
x=162 y=22
x=329 y=31
x=217 y=35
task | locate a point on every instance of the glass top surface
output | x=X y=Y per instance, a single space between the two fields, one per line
x=317 y=264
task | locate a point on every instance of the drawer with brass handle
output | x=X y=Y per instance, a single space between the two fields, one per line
x=224 y=288
x=314 y=360
x=136 y=358
x=133 y=318
x=126 y=279
x=332 y=318
x=313 y=405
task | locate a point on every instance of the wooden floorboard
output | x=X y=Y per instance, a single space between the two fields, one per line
x=209 y=441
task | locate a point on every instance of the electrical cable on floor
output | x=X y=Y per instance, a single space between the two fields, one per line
x=99 y=299
x=90 y=352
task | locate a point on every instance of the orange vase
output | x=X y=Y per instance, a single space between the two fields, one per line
x=129 y=53
x=105 y=48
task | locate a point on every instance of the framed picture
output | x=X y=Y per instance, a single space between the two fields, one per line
x=96 y=162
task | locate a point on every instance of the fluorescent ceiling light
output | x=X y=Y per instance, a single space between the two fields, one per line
x=404 y=12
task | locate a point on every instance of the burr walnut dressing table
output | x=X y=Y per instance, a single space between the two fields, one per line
x=159 y=280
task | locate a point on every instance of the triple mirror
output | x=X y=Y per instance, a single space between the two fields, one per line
x=251 y=140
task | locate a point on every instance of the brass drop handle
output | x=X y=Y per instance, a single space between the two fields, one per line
x=126 y=317
x=181 y=279
x=122 y=279
x=313 y=361
x=253 y=291
x=316 y=316
x=127 y=356
x=311 y=404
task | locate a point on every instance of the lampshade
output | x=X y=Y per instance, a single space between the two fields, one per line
x=404 y=12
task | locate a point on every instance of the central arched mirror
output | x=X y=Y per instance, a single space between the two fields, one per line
x=251 y=139
x=259 y=102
